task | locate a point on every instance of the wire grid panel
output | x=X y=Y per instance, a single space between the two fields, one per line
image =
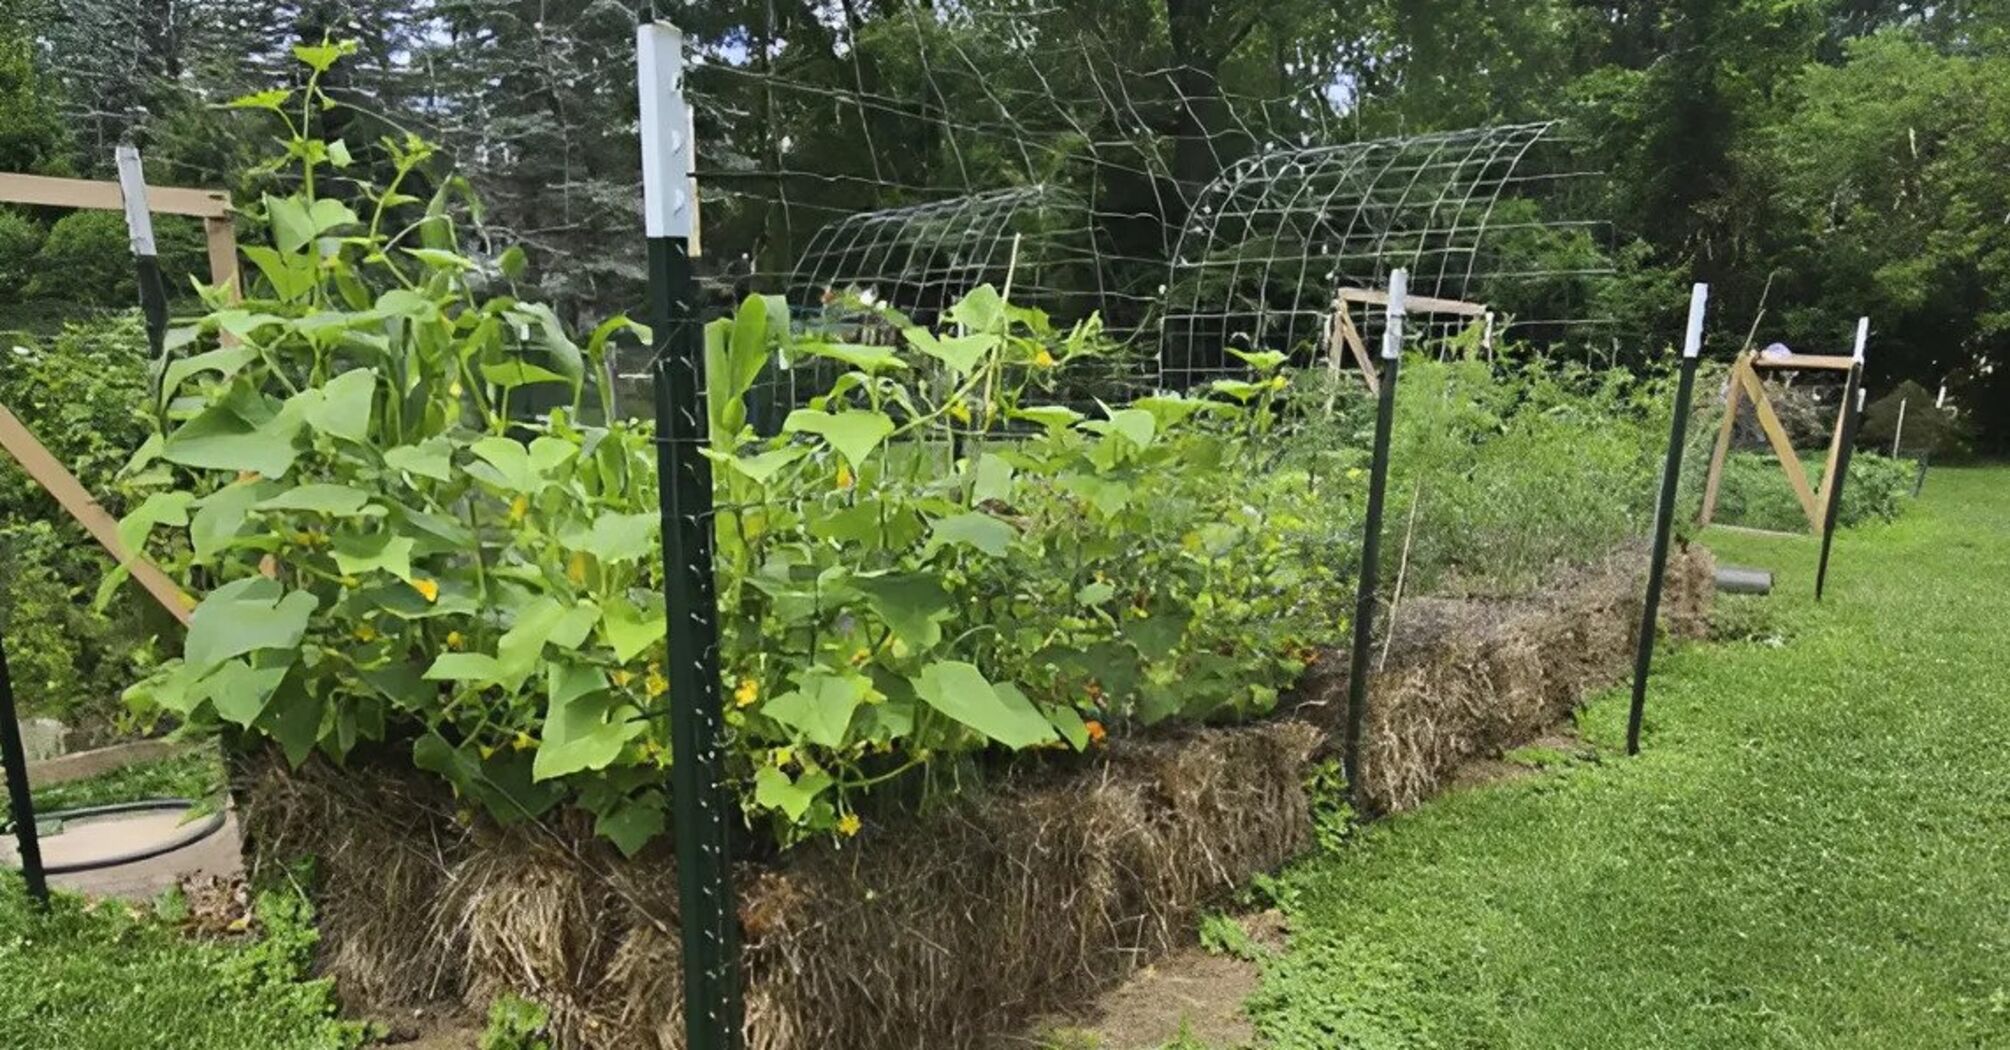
x=1273 y=240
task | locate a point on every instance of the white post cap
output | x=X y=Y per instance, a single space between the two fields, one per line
x=1692 y=339
x=666 y=139
x=1392 y=326
x=133 y=191
x=1862 y=337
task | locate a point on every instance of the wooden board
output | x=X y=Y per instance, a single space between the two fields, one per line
x=1416 y=304
x=1352 y=337
x=1723 y=447
x=1798 y=361
x=1776 y=434
x=18 y=442
x=104 y=196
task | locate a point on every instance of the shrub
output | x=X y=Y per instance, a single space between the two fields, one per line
x=20 y=239
x=87 y=259
x=1754 y=491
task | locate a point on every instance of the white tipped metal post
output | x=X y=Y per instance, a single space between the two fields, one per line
x=140 y=233
x=700 y=805
x=1853 y=399
x=1664 y=512
x=1371 y=539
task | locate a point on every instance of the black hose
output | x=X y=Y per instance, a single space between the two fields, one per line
x=195 y=833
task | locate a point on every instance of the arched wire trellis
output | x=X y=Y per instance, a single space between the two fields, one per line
x=1040 y=241
x=1273 y=240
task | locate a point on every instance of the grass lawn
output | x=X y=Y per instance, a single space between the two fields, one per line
x=1813 y=850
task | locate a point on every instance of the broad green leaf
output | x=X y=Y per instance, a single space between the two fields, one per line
x=548 y=453
x=220 y=516
x=1053 y=417
x=972 y=529
x=961 y=353
x=439 y=259
x=292 y=229
x=225 y=362
x=1264 y=361
x=344 y=410
x=319 y=57
x=465 y=667
x=240 y=692
x=357 y=555
x=960 y=691
x=244 y=616
x=912 y=604
x=403 y=302
x=993 y=480
x=327 y=214
x=510 y=462
x=1068 y=722
x=632 y=822
x=161 y=508
x=629 y=631
x=238 y=433
x=336 y=501
x=983 y=310
x=774 y=789
x=512 y=262
x=1095 y=593
x=762 y=467
x=870 y=359
x=338 y=154
x=273 y=100
x=1135 y=424
x=584 y=729
x=820 y=707
x=616 y=538
x=291 y=274
x=854 y=433
x=293 y=717
x=431 y=458
x=516 y=372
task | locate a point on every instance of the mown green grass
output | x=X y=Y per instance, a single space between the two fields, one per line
x=1813 y=851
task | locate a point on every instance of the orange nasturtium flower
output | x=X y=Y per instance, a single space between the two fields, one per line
x=748 y=692
x=849 y=825
x=1097 y=734
x=428 y=589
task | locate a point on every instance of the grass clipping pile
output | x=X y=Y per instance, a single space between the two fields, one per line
x=943 y=930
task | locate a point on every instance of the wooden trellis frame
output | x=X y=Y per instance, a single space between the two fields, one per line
x=220 y=235
x=1746 y=383
x=1342 y=332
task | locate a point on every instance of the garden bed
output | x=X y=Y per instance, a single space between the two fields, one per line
x=963 y=922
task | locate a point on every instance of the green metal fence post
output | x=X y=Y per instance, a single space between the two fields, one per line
x=701 y=806
x=1664 y=513
x=20 y=803
x=1371 y=539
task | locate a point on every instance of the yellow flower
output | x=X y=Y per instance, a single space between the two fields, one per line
x=1043 y=359
x=456 y=639
x=859 y=658
x=365 y=633
x=849 y=824
x=959 y=411
x=519 y=507
x=656 y=684
x=748 y=692
x=428 y=589
x=844 y=478
x=1353 y=473
x=523 y=742
x=486 y=751
x=621 y=676
x=575 y=569
x=1277 y=382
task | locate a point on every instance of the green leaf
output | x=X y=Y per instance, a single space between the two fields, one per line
x=292 y=229
x=516 y=372
x=220 y=516
x=161 y=508
x=293 y=718
x=337 y=501
x=961 y=353
x=869 y=359
x=983 y=310
x=972 y=529
x=616 y=538
x=821 y=706
x=993 y=480
x=1068 y=722
x=1264 y=361
x=327 y=214
x=240 y=693
x=225 y=362
x=1135 y=424
x=628 y=630
x=1095 y=593
x=774 y=790
x=274 y=100
x=912 y=604
x=510 y=462
x=244 y=616
x=1003 y=714
x=338 y=154
x=403 y=302
x=465 y=667
x=291 y=274
x=431 y=458
x=440 y=259
x=344 y=409
x=238 y=433
x=584 y=728
x=512 y=262
x=762 y=467
x=357 y=555
x=319 y=57
x=1053 y=417
x=632 y=822
x=854 y=434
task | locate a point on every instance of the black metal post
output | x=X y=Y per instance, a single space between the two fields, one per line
x=1371 y=541
x=1664 y=515
x=1852 y=415
x=701 y=806
x=20 y=803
